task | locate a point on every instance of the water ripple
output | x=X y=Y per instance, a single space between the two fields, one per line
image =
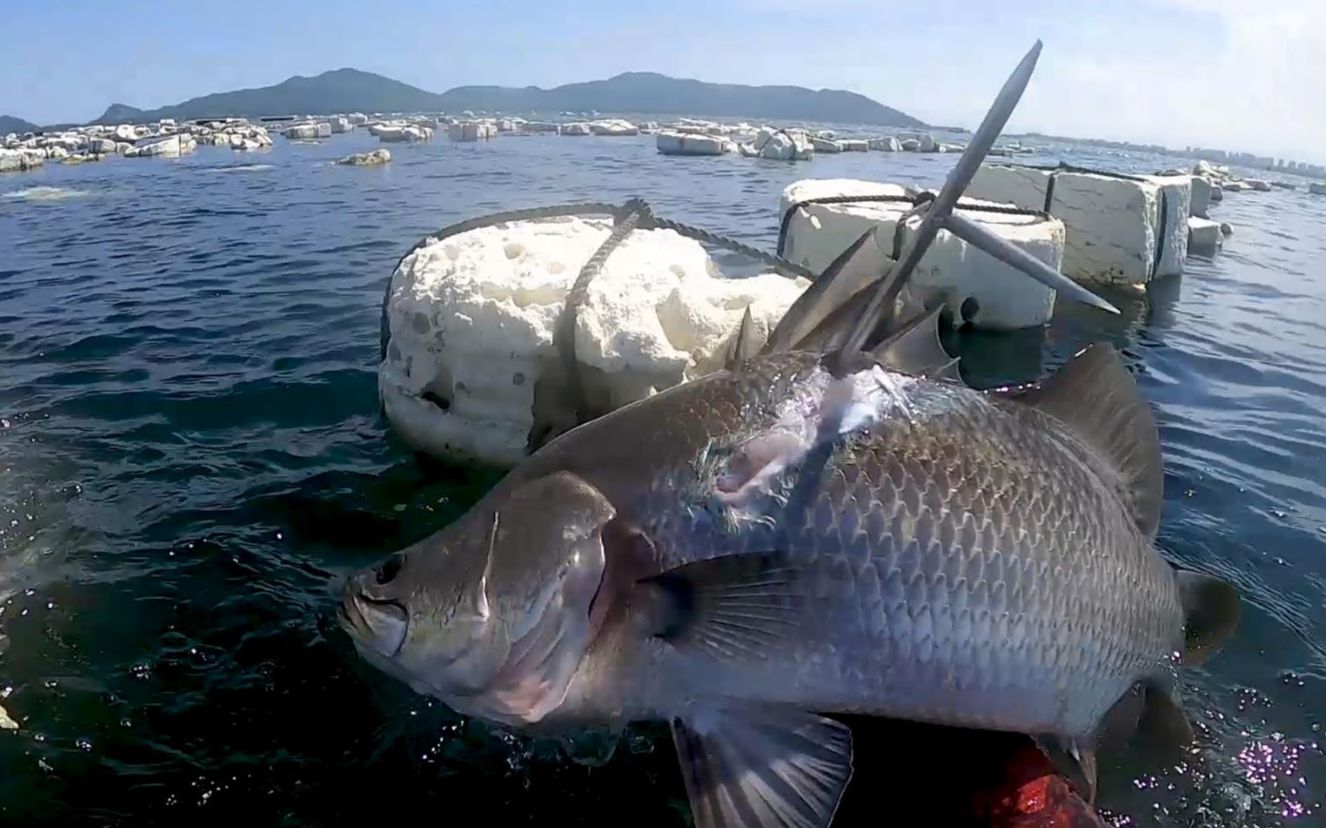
x=193 y=455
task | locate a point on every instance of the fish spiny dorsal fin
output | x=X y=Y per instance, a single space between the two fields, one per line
x=835 y=287
x=916 y=348
x=745 y=343
x=1098 y=399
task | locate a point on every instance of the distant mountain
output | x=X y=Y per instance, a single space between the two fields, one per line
x=654 y=93
x=8 y=124
x=346 y=90
x=118 y=113
x=341 y=90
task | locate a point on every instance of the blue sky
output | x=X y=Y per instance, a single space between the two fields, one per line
x=1231 y=73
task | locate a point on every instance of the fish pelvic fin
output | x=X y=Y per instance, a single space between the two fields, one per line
x=762 y=766
x=1211 y=609
x=1075 y=760
x=1096 y=397
x=733 y=607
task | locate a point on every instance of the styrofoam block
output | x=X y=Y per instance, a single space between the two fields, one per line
x=854 y=145
x=1204 y=237
x=305 y=131
x=1201 y=196
x=613 y=127
x=1007 y=298
x=17 y=160
x=825 y=144
x=576 y=129
x=471 y=131
x=885 y=144
x=1177 y=203
x=1111 y=222
x=471 y=321
x=783 y=145
x=677 y=143
x=167 y=147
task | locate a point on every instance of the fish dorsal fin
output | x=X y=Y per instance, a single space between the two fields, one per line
x=745 y=343
x=916 y=348
x=1097 y=398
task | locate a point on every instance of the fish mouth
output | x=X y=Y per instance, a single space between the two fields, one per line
x=376 y=623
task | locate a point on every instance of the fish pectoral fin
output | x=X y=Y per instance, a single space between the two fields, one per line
x=1076 y=761
x=763 y=766
x=1211 y=610
x=732 y=607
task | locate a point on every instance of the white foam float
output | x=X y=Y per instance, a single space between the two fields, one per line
x=1007 y=299
x=471 y=321
x=1114 y=224
x=679 y=143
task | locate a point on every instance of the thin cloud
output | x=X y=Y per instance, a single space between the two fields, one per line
x=1255 y=87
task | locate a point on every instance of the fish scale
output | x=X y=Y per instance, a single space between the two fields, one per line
x=994 y=550
x=746 y=552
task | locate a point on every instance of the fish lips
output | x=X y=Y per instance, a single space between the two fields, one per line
x=378 y=624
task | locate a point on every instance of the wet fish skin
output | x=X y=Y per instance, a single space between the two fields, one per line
x=933 y=553
x=966 y=558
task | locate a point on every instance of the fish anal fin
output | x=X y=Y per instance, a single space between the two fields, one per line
x=762 y=766
x=1075 y=760
x=1163 y=723
x=1147 y=713
x=1096 y=397
x=1211 y=609
x=733 y=607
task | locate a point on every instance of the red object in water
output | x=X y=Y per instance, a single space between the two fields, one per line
x=1034 y=795
x=921 y=775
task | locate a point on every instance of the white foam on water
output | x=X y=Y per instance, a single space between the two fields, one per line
x=245 y=168
x=44 y=193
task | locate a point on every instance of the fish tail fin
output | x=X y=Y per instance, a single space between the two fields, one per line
x=1211 y=610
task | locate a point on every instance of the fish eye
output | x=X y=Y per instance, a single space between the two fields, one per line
x=390 y=568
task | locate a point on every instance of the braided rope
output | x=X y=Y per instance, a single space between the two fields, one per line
x=588 y=208
x=635 y=213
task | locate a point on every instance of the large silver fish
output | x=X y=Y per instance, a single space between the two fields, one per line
x=748 y=553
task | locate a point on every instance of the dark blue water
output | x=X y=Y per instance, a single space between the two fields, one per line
x=191 y=457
